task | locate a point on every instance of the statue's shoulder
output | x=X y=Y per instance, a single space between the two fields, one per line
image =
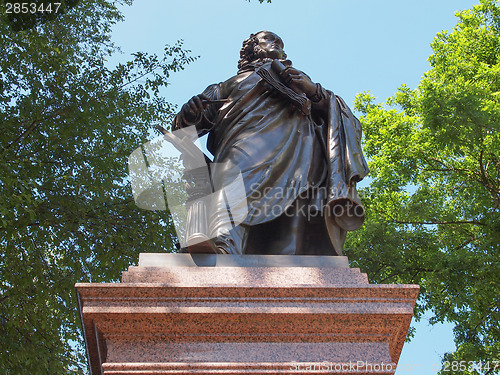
x=238 y=78
x=230 y=84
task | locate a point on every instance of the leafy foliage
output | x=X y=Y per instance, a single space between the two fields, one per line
x=68 y=124
x=433 y=207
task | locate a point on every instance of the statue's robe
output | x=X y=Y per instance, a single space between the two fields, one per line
x=283 y=156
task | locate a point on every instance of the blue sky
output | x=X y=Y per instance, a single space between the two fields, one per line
x=348 y=46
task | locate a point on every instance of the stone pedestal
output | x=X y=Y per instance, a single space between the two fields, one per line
x=225 y=314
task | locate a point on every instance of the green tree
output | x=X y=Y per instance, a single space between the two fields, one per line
x=68 y=125
x=433 y=207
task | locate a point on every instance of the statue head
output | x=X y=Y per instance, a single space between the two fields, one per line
x=264 y=44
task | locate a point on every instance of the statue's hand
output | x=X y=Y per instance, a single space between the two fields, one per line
x=192 y=111
x=298 y=81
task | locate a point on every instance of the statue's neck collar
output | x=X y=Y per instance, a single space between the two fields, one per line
x=251 y=66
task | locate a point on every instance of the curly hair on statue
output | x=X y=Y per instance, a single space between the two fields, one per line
x=250 y=51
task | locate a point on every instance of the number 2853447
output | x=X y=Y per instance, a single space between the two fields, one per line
x=17 y=8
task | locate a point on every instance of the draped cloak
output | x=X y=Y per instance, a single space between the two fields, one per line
x=282 y=153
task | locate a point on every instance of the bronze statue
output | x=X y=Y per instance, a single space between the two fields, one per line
x=297 y=147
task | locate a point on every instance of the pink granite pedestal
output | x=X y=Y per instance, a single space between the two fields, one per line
x=224 y=314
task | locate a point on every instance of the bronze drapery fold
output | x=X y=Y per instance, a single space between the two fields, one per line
x=283 y=154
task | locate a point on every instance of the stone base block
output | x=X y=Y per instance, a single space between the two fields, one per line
x=224 y=314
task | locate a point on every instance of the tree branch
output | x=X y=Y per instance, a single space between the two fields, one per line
x=34 y=124
x=436 y=222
